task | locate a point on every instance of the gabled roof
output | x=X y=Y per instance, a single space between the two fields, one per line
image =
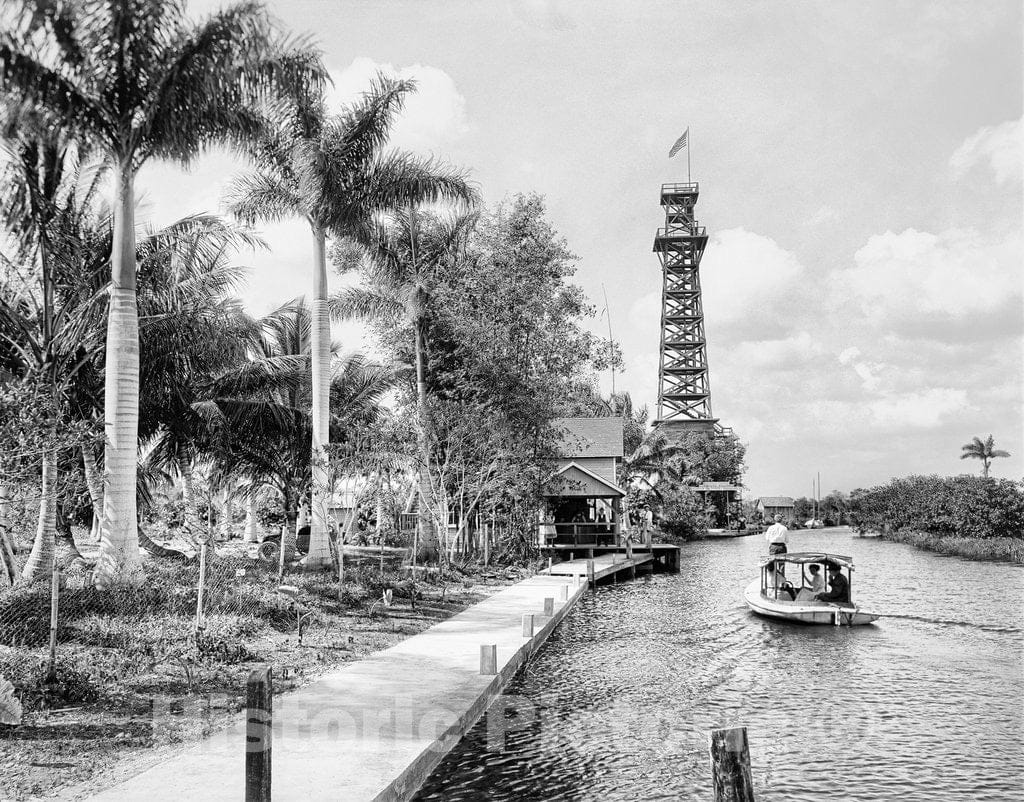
x=776 y=501
x=552 y=484
x=589 y=437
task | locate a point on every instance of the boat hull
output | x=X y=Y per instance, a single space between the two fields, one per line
x=805 y=612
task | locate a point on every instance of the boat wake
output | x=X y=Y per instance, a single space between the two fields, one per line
x=1002 y=630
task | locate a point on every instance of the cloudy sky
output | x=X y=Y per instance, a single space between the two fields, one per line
x=861 y=182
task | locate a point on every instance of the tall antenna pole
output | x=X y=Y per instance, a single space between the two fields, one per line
x=611 y=342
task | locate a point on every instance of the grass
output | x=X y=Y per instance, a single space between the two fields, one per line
x=127 y=652
x=1008 y=549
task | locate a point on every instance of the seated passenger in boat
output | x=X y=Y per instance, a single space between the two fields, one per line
x=840 y=592
x=808 y=592
x=777 y=582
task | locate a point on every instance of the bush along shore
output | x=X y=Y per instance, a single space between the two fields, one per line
x=136 y=678
x=1009 y=549
x=979 y=518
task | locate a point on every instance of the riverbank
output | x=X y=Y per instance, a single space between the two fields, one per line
x=135 y=689
x=1005 y=549
x=374 y=729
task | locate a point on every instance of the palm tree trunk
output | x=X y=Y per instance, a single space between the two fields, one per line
x=319 y=554
x=251 y=524
x=428 y=544
x=8 y=567
x=193 y=523
x=94 y=483
x=119 y=532
x=40 y=561
x=67 y=549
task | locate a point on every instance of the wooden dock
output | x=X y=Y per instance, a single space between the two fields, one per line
x=602 y=566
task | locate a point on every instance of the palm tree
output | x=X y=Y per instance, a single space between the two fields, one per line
x=334 y=172
x=985 y=451
x=139 y=79
x=46 y=199
x=400 y=273
x=190 y=332
x=260 y=409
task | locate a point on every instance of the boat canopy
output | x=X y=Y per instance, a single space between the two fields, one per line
x=804 y=557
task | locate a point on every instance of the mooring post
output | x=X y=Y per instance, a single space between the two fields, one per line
x=259 y=735
x=590 y=571
x=549 y=565
x=730 y=765
x=527 y=625
x=488 y=659
x=549 y=606
x=564 y=593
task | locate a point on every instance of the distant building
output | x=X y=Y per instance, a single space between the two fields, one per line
x=769 y=506
x=582 y=497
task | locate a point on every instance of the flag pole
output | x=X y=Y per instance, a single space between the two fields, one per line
x=688 y=137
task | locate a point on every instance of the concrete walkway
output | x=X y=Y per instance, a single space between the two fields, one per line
x=376 y=728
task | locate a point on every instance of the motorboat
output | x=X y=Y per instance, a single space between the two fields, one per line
x=769 y=595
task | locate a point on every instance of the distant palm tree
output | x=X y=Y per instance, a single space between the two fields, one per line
x=985 y=451
x=140 y=79
x=400 y=273
x=334 y=171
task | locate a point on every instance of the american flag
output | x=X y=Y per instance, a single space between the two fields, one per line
x=680 y=143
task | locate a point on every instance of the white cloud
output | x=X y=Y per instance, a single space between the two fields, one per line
x=956 y=273
x=925 y=409
x=434 y=115
x=1001 y=146
x=748 y=277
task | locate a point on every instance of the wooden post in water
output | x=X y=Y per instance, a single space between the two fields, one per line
x=590 y=571
x=259 y=735
x=730 y=765
x=549 y=606
x=528 y=625
x=488 y=659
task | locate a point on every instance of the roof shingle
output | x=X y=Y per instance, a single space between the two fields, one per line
x=589 y=437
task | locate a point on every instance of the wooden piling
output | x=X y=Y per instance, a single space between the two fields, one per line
x=528 y=625
x=259 y=735
x=730 y=765
x=590 y=571
x=488 y=659
x=564 y=593
x=549 y=606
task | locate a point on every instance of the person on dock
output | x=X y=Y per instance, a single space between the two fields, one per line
x=840 y=592
x=777 y=537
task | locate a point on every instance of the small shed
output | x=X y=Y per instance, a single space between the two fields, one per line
x=582 y=497
x=770 y=506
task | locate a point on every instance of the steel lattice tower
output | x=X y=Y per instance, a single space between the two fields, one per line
x=684 y=390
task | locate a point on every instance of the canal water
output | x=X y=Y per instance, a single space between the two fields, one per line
x=924 y=705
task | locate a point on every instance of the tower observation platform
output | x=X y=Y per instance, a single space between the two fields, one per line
x=684 y=389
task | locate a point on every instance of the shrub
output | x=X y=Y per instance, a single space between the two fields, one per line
x=26 y=671
x=960 y=506
x=681 y=515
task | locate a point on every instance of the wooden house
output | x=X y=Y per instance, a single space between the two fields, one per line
x=582 y=497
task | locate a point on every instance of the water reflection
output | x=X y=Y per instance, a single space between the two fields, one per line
x=922 y=706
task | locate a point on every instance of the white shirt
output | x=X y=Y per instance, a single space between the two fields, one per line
x=777 y=533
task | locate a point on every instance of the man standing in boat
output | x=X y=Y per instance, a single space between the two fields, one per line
x=777 y=537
